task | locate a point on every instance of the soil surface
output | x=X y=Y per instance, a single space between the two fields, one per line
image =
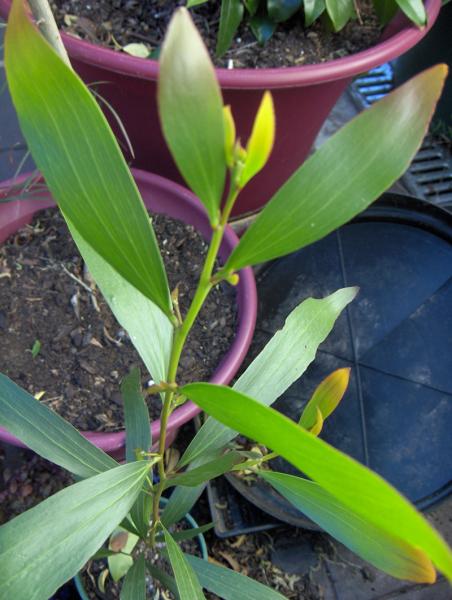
x=59 y=336
x=116 y=23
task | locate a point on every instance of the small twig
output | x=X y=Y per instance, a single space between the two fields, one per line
x=79 y=281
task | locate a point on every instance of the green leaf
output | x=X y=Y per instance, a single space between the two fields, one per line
x=134 y=586
x=186 y=580
x=384 y=550
x=142 y=509
x=150 y=331
x=45 y=546
x=189 y=534
x=121 y=561
x=191 y=3
x=340 y=12
x=136 y=415
x=281 y=10
x=349 y=171
x=385 y=10
x=207 y=471
x=283 y=360
x=260 y=143
x=195 y=137
x=228 y=584
x=312 y=11
x=231 y=16
x=36 y=348
x=262 y=27
x=268 y=376
x=354 y=485
x=325 y=398
x=414 y=10
x=74 y=148
x=48 y=434
x=181 y=501
x=168 y=581
x=251 y=6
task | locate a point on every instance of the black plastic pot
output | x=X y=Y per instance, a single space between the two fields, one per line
x=435 y=48
x=397 y=336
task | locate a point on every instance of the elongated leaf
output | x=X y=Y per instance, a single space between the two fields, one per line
x=136 y=414
x=414 y=10
x=187 y=583
x=384 y=550
x=312 y=10
x=45 y=546
x=134 y=586
x=349 y=171
x=76 y=151
x=142 y=509
x=281 y=10
x=283 y=360
x=191 y=111
x=268 y=376
x=326 y=397
x=206 y=472
x=231 y=16
x=150 y=331
x=340 y=12
x=168 y=581
x=181 y=501
x=228 y=584
x=47 y=433
x=189 y=534
x=353 y=484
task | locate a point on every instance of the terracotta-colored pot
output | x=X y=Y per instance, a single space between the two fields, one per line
x=303 y=96
x=160 y=196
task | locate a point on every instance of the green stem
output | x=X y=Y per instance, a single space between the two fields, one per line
x=180 y=337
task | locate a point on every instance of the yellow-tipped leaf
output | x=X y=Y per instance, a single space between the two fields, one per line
x=261 y=141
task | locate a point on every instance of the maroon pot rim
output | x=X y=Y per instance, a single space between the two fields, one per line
x=400 y=36
x=20 y=210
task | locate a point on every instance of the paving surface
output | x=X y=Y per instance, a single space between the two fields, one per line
x=345 y=577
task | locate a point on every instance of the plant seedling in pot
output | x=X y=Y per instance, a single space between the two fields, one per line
x=264 y=15
x=84 y=169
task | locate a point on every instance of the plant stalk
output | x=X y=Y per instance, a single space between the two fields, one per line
x=180 y=337
x=45 y=20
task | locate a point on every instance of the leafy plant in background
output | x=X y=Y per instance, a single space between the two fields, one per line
x=75 y=150
x=264 y=15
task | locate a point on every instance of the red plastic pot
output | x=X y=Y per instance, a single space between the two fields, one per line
x=304 y=96
x=160 y=196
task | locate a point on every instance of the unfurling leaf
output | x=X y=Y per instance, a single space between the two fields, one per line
x=261 y=140
x=325 y=399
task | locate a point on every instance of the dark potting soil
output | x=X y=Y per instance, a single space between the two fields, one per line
x=120 y=22
x=59 y=336
x=25 y=480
